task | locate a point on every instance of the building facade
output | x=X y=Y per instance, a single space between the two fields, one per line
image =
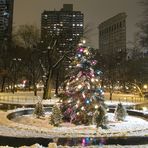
x=6 y=18
x=112 y=35
x=112 y=49
x=65 y=25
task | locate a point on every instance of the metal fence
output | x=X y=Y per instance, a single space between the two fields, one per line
x=30 y=99
x=126 y=98
x=18 y=99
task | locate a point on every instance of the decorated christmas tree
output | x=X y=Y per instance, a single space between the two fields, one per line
x=56 y=116
x=83 y=89
x=120 y=112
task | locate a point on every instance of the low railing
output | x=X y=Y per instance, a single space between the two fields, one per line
x=18 y=99
x=125 y=98
x=30 y=99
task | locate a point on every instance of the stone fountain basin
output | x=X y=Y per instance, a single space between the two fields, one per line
x=26 y=134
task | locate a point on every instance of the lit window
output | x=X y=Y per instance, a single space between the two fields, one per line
x=45 y=15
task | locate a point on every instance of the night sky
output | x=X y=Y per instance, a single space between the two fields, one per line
x=95 y=12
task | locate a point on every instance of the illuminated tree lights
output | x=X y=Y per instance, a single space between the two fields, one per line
x=83 y=89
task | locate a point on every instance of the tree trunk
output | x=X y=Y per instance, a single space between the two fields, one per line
x=110 y=97
x=3 y=84
x=35 y=89
x=48 y=86
x=57 y=83
x=29 y=85
x=13 y=87
x=124 y=87
x=111 y=93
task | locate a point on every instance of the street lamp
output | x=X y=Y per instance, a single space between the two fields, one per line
x=145 y=87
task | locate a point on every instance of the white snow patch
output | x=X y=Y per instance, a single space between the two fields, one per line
x=115 y=103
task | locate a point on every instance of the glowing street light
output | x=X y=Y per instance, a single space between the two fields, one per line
x=145 y=86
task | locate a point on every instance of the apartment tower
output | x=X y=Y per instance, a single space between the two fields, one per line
x=65 y=25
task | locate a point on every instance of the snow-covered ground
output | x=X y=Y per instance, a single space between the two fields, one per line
x=115 y=103
x=29 y=126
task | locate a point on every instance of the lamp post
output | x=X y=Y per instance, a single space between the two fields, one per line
x=145 y=87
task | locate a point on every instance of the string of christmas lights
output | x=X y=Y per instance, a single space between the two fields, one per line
x=83 y=89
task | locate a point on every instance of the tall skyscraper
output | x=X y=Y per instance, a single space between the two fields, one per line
x=66 y=25
x=112 y=35
x=6 y=18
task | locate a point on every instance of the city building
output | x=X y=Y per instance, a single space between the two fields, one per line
x=112 y=35
x=6 y=18
x=65 y=25
x=112 y=49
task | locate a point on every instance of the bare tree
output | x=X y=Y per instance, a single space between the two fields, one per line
x=33 y=68
x=28 y=37
x=108 y=65
x=53 y=60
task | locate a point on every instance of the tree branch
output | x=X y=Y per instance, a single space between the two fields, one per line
x=58 y=62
